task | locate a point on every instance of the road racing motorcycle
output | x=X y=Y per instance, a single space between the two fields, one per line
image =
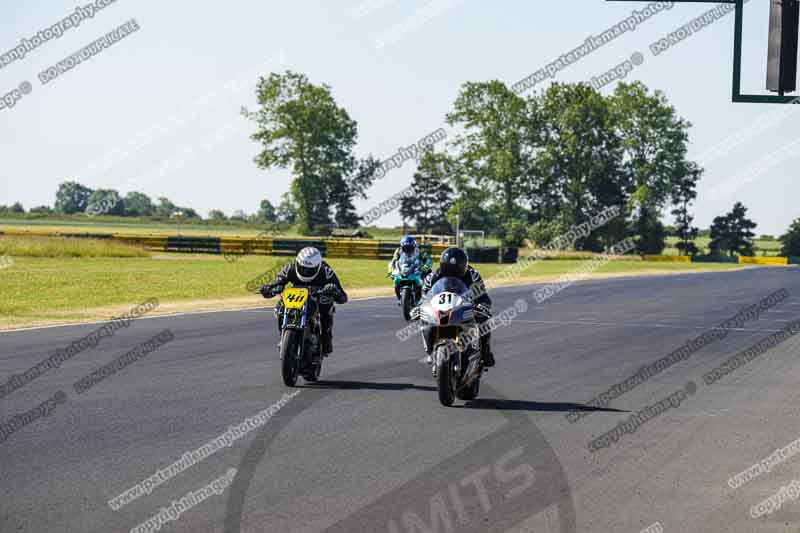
x=449 y=312
x=301 y=335
x=407 y=278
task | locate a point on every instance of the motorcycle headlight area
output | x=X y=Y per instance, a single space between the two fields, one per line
x=444 y=302
x=427 y=314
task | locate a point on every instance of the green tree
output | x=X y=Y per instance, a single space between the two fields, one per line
x=651 y=236
x=654 y=143
x=354 y=186
x=494 y=150
x=469 y=210
x=684 y=194
x=581 y=160
x=299 y=125
x=105 y=202
x=40 y=210
x=791 y=240
x=72 y=197
x=17 y=208
x=165 y=208
x=720 y=236
x=287 y=210
x=216 y=215
x=189 y=213
x=138 y=204
x=432 y=195
x=266 y=211
x=732 y=233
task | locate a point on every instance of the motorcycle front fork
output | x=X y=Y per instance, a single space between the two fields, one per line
x=417 y=293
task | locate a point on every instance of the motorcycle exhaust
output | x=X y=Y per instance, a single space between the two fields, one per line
x=474 y=372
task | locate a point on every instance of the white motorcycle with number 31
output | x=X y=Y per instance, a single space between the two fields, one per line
x=457 y=364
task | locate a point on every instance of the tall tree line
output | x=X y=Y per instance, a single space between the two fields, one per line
x=520 y=167
x=555 y=158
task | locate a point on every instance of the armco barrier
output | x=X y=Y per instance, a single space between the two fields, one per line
x=386 y=249
x=483 y=255
x=355 y=248
x=510 y=255
x=148 y=242
x=246 y=246
x=352 y=248
x=203 y=245
x=714 y=259
x=235 y=245
x=493 y=255
x=437 y=249
x=87 y=235
x=292 y=246
x=668 y=258
x=763 y=260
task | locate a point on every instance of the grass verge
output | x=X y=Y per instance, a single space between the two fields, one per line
x=24 y=246
x=44 y=290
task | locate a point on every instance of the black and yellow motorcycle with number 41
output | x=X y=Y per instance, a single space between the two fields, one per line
x=301 y=335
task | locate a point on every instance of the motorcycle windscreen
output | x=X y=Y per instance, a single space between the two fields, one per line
x=407 y=262
x=446 y=284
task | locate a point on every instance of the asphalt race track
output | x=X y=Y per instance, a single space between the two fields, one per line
x=369 y=448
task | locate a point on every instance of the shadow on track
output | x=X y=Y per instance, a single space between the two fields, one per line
x=362 y=385
x=523 y=405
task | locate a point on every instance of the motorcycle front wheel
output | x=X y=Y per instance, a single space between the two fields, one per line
x=445 y=376
x=407 y=303
x=289 y=357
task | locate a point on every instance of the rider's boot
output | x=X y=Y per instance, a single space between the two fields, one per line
x=327 y=342
x=486 y=352
x=279 y=322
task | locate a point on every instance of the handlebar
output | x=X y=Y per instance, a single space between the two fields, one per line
x=313 y=291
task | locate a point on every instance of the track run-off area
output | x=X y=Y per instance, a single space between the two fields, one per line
x=369 y=447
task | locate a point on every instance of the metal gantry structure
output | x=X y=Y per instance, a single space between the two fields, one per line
x=782 y=52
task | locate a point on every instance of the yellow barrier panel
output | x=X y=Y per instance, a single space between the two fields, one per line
x=354 y=249
x=764 y=260
x=437 y=249
x=245 y=245
x=669 y=258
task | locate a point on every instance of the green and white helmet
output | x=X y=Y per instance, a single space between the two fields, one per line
x=308 y=263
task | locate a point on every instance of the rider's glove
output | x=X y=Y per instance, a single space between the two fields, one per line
x=330 y=289
x=484 y=310
x=268 y=291
x=415 y=313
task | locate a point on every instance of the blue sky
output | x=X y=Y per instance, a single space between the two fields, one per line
x=158 y=111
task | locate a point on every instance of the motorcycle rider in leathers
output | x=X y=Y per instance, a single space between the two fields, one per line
x=455 y=263
x=309 y=270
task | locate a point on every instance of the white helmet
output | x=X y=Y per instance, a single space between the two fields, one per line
x=308 y=263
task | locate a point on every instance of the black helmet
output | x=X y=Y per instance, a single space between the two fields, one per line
x=454 y=262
